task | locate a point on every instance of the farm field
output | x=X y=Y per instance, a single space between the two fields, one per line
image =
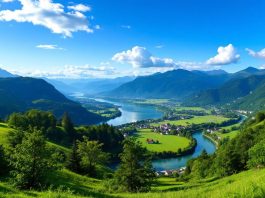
x=195 y=120
x=166 y=142
x=230 y=135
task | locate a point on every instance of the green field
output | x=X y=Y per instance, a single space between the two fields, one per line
x=194 y=120
x=166 y=142
x=150 y=101
x=182 y=108
x=230 y=135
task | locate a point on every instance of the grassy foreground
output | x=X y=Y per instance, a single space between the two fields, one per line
x=69 y=185
x=166 y=142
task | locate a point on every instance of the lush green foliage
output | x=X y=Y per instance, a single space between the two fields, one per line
x=31 y=160
x=91 y=155
x=235 y=155
x=135 y=172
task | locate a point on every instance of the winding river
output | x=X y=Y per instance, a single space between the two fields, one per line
x=133 y=112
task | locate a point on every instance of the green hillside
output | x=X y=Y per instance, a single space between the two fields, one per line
x=20 y=94
x=229 y=92
x=173 y=84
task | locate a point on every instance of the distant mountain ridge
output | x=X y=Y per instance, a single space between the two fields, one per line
x=176 y=84
x=6 y=74
x=88 y=86
x=23 y=93
x=230 y=91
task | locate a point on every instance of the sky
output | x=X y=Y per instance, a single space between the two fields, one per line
x=111 y=38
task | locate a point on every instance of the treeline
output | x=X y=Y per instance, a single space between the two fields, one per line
x=29 y=160
x=245 y=151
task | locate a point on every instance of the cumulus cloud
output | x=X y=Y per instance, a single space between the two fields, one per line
x=80 y=8
x=140 y=57
x=50 y=15
x=225 y=55
x=49 y=47
x=71 y=71
x=259 y=54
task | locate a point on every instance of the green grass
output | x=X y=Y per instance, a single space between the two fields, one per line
x=182 y=108
x=4 y=129
x=195 y=120
x=246 y=184
x=230 y=135
x=151 y=101
x=166 y=142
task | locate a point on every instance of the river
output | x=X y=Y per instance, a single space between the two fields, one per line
x=133 y=112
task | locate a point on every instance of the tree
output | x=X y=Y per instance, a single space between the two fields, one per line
x=135 y=172
x=68 y=126
x=3 y=161
x=260 y=116
x=257 y=155
x=31 y=161
x=91 y=155
x=74 y=160
x=18 y=120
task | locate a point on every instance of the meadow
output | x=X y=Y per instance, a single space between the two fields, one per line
x=166 y=142
x=194 y=120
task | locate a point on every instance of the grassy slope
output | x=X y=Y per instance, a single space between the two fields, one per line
x=195 y=120
x=167 y=142
x=246 y=184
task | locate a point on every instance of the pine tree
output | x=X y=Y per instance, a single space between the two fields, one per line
x=68 y=126
x=74 y=160
x=135 y=172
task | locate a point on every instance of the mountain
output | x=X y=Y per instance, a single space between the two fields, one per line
x=88 y=86
x=20 y=94
x=255 y=101
x=175 y=84
x=248 y=72
x=230 y=91
x=6 y=74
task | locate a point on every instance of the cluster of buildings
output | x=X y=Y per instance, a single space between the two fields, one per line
x=179 y=171
x=166 y=129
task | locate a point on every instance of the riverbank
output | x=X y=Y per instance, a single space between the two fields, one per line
x=211 y=139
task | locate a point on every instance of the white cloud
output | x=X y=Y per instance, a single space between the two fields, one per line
x=226 y=55
x=49 y=47
x=80 y=8
x=50 y=15
x=71 y=71
x=259 y=54
x=140 y=57
x=7 y=1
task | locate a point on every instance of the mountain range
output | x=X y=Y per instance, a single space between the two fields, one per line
x=20 y=94
x=176 y=84
x=244 y=89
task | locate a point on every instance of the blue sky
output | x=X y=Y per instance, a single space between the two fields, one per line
x=108 y=38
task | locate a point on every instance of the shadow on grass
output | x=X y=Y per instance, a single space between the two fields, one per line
x=79 y=185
